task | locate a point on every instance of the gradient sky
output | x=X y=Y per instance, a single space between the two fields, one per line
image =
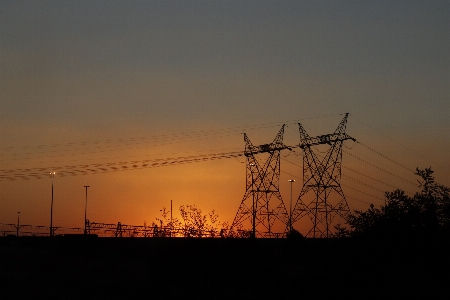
x=86 y=82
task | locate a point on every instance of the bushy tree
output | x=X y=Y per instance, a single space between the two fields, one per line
x=427 y=213
x=197 y=224
x=193 y=224
x=294 y=234
x=237 y=232
x=168 y=227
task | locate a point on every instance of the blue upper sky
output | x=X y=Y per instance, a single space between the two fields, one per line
x=108 y=51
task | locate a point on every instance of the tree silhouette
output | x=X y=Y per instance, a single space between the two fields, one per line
x=426 y=214
x=167 y=225
x=194 y=223
x=294 y=234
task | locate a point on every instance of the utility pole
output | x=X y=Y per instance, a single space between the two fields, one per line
x=18 y=223
x=290 y=208
x=51 y=207
x=85 y=210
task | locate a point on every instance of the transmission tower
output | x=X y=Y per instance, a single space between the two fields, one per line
x=321 y=197
x=262 y=208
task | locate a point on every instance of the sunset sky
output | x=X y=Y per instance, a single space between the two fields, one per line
x=85 y=83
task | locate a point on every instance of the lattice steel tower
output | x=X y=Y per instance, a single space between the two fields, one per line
x=321 y=197
x=262 y=208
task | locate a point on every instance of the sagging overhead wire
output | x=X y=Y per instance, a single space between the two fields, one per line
x=177 y=137
x=381 y=169
x=37 y=173
x=351 y=169
x=351 y=178
x=398 y=143
x=359 y=191
x=370 y=177
x=133 y=141
x=111 y=146
x=385 y=157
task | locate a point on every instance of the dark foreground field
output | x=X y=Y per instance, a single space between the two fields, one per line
x=158 y=268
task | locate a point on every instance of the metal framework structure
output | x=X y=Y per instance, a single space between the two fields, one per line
x=33 y=230
x=126 y=230
x=118 y=230
x=262 y=206
x=321 y=197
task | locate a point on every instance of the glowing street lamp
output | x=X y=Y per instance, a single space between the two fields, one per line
x=290 y=207
x=51 y=207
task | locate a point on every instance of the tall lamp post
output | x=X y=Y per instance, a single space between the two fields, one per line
x=18 y=223
x=51 y=207
x=85 y=210
x=290 y=207
x=253 y=207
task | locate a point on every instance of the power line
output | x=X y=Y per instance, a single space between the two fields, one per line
x=385 y=157
x=362 y=192
x=73 y=170
x=133 y=141
x=381 y=169
x=398 y=143
x=372 y=187
x=359 y=200
x=37 y=173
x=178 y=136
x=365 y=184
x=378 y=162
x=374 y=179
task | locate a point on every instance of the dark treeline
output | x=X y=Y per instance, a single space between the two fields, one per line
x=423 y=215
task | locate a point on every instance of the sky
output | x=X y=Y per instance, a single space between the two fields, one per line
x=86 y=83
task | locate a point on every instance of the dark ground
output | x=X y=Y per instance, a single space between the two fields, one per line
x=163 y=268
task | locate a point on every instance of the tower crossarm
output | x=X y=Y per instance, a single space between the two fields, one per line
x=276 y=145
x=324 y=139
x=270 y=148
